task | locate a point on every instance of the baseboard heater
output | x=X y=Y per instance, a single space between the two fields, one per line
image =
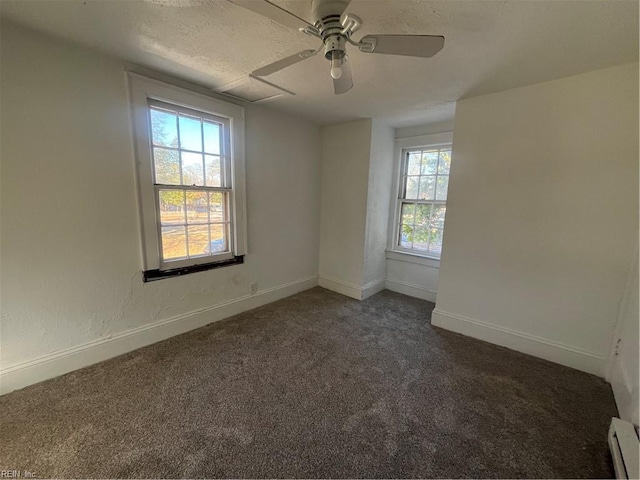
x=625 y=449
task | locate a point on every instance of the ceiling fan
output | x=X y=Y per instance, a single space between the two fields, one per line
x=334 y=28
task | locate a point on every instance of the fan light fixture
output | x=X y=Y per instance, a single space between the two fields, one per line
x=336 y=68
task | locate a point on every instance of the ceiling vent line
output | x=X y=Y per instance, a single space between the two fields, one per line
x=252 y=89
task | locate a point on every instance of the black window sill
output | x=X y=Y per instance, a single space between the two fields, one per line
x=153 y=275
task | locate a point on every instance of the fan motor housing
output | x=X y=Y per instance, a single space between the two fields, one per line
x=334 y=47
x=331 y=33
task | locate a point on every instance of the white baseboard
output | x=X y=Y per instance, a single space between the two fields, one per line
x=538 y=347
x=64 y=361
x=351 y=289
x=344 y=288
x=372 y=288
x=626 y=401
x=410 y=289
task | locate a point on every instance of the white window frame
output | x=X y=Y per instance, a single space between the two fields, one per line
x=402 y=144
x=141 y=91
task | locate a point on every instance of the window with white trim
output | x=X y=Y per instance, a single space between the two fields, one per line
x=422 y=199
x=190 y=167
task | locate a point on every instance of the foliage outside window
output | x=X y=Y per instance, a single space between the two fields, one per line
x=422 y=199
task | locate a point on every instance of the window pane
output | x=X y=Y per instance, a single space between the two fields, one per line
x=212 y=170
x=198 y=240
x=413 y=163
x=437 y=220
x=164 y=128
x=218 y=235
x=429 y=162
x=197 y=207
x=443 y=185
x=408 y=212
x=435 y=244
x=190 y=133
x=427 y=187
x=406 y=236
x=420 y=238
x=166 y=164
x=171 y=207
x=211 y=138
x=192 y=173
x=445 y=162
x=174 y=243
x=411 y=190
x=216 y=207
x=423 y=213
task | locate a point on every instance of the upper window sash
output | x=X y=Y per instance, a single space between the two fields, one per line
x=224 y=143
x=405 y=157
x=437 y=174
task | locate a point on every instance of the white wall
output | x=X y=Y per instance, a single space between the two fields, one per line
x=72 y=291
x=624 y=373
x=357 y=166
x=346 y=150
x=413 y=276
x=378 y=200
x=425 y=129
x=542 y=216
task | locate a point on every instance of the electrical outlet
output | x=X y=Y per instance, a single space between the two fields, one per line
x=254 y=288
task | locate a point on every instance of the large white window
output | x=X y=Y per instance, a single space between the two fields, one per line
x=190 y=165
x=421 y=201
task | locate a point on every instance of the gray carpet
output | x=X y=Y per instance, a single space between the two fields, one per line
x=315 y=385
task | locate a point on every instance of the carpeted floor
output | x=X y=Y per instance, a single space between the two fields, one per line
x=315 y=385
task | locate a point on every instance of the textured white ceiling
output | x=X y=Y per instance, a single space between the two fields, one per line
x=490 y=46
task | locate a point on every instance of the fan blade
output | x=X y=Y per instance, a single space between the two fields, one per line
x=283 y=63
x=409 y=45
x=345 y=82
x=343 y=5
x=273 y=12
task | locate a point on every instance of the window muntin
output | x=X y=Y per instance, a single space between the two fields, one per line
x=422 y=199
x=191 y=182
